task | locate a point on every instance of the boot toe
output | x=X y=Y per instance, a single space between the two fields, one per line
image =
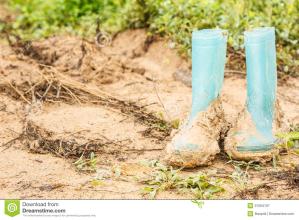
x=197 y=145
x=192 y=157
x=244 y=142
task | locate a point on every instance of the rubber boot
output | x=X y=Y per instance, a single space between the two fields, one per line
x=196 y=142
x=252 y=134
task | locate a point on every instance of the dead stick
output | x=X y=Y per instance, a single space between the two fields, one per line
x=10 y=142
x=72 y=94
x=47 y=90
x=19 y=93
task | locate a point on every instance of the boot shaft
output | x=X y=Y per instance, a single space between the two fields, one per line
x=261 y=77
x=208 y=60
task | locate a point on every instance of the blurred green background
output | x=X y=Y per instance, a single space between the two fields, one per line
x=174 y=19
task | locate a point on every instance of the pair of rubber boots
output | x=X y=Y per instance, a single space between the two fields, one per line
x=251 y=135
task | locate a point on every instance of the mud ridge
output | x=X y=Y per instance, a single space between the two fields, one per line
x=39 y=140
x=53 y=87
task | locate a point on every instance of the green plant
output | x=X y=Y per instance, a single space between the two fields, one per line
x=240 y=179
x=288 y=139
x=89 y=164
x=175 y=19
x=202 y=186
x=175 y=123
x=166 y=178
x=163 y=178
x=41 y=18
x=240 y=175
x=198 y=203
x=96 y=182
x=245 y=165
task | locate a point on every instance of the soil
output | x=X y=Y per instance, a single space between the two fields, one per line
x=65 y=97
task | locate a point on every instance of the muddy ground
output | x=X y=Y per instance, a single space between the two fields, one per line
x=63 y=97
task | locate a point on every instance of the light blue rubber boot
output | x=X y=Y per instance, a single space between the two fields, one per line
x=196 y=142
x=252 y=136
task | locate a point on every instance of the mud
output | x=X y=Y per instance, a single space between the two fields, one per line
x=86 y=129
x=244 y=122
x=205 y=132
x=119 y=101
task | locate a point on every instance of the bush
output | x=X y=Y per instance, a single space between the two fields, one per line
x=173 y=18
x=178 y=18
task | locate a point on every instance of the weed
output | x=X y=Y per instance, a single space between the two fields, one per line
x=164 y=178
x=289 y=140
x=96 y=183
x=202 y=186
x=175 y=123
x=198 y=203
x=289 y=143
x=246 y=165
x=174 y=19
x=89 y=164
x=116 y=170
x=240 y=179
x=275 y=159
x=240 y=176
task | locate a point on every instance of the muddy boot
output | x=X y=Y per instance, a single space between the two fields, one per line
x=252 y=135
x=196 y=142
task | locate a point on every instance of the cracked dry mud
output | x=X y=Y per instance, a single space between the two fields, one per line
x=48 y=127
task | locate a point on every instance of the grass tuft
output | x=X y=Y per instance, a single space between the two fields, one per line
x=200 y=185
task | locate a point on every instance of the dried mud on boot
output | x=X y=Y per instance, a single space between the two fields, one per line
x=244 y=122
x=206 y=131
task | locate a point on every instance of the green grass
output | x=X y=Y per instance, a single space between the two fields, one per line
x=289 y=140
x=175 y=19
x=164 y=178
x=86 y=164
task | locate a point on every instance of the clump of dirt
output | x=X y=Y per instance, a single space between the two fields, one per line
x=291 y=176
x=235 y=62
x=40 y=140
x=132 y=43
x=78 y=58
x=82 y=60
x=11 y=120
x=184 y=76
x=28 y=49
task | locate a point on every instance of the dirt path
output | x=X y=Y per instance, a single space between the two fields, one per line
x=55 y=123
